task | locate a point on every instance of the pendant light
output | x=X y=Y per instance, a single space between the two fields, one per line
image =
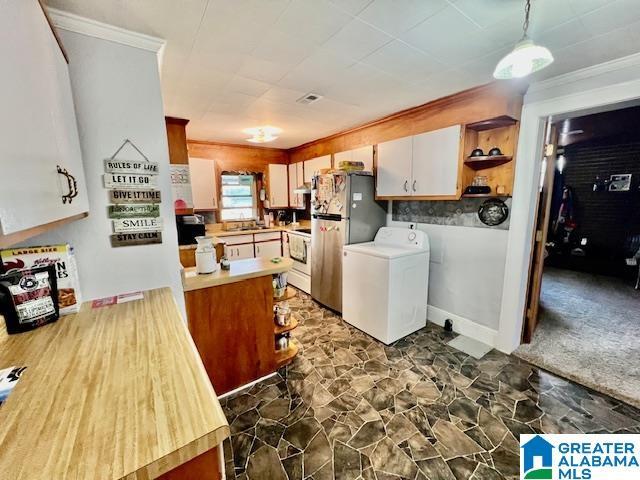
x=525 y=58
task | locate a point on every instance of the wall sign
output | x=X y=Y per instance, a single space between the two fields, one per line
x=131 y=211
x=128 y=180
x=126 y=225
x=134 y=196
x=136 y=238
x=126 y=166
x=135 y=209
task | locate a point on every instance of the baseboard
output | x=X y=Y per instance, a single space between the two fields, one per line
x=246 y=386
x=463 y=326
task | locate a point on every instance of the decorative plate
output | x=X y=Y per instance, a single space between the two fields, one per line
x=493 y=212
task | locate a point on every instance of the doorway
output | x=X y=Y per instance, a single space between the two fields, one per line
x=582 y=318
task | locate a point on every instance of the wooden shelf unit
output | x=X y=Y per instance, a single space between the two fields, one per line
x=293 y=323
x=286 y=356
x=501 y=132
x=289 y=293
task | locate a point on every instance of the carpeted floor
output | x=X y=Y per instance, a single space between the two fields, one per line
x=589 y=332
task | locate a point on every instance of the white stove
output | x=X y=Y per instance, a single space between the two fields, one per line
x=297 y=246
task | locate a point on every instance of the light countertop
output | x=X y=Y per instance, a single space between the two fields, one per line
x=214 y=229
x=240 y=270
x=113 y=392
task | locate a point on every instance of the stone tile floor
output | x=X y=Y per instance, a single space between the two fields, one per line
x=350 y=407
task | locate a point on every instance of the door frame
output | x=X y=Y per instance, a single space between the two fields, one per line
x=607 y=86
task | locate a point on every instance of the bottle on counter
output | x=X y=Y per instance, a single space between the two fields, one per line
x=224 y=261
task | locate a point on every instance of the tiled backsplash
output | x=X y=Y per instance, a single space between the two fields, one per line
x=461 y=213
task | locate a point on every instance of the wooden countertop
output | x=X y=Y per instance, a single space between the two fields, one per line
x=109 y=393
x=240 y=270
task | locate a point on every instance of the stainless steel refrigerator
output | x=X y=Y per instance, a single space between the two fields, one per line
x=343 y=211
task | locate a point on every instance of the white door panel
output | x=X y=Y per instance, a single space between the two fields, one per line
x=394 y=167
x=436 y=162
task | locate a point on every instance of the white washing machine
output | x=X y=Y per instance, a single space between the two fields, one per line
x=385 y=283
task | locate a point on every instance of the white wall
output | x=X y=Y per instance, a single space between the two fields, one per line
x=466 y=277
x=117 y=95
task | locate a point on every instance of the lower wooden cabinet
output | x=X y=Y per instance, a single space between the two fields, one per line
x=205 y=466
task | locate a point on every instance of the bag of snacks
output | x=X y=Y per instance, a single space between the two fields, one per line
x=62 y=257
x=29 y=298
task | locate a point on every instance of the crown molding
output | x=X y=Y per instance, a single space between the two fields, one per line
x=617 y=64
x=92 y=28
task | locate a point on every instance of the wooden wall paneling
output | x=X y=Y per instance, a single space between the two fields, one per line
x=480 y=103
x=177 y=139
x=225 y=313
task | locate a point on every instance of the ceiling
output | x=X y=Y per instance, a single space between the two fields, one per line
x=233 y=64
x=599 y=125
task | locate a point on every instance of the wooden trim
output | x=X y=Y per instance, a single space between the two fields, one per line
x=176 y=120
x=438 y=103
x=421 y=197
x=13 y=238
x=54 y=31
x=235 y=145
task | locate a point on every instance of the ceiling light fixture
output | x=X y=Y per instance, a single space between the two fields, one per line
x=263 y=134
x=526 y=57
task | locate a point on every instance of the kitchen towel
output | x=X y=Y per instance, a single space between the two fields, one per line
x=297 y=248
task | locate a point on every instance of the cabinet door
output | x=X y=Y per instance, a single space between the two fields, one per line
x=343 y=157
x=312 y=165
x=243 y=251
x=393 y=174
x=300 y=177
x=269 y=249
x=436 y=162
x=278 y=186
x=203 y=183
x=38 y=125
x=364 y=155
x=295 y=200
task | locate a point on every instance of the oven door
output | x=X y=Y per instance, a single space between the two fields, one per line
x=299 y=262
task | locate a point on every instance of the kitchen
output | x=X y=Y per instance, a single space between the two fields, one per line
x=322 y=302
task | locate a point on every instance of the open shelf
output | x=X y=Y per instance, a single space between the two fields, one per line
x=289 y=293
x=487 y=161
x=484 y=195
x=293 y=323
x=498 y=122
x=284 y=357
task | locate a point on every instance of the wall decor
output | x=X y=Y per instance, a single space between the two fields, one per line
x=137 y=210
x=620 y=182
x=493 y=212
x=127 y=180
x=138 y=238
x=134 y=196
x=181 y=187
x=126 y=225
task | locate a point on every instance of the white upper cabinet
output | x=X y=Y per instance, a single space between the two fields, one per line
x=363 y=154
x=425 y=165
x=394 y=167
x=38 y=124
x=436 y=158
x=278 y=185
x=203 y=183
x=312 y=165
x=296 y=200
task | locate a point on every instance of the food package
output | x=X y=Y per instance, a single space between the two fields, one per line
x=69 y=298
x=349 y=166
x=29 y=298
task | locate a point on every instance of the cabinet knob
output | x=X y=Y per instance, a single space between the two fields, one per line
x=415 y=182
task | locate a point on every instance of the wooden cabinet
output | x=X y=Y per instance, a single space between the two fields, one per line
x=269 y=249
x=203 y=183
x=38 y=127
x=296 y=178
x=312 y=165
x=364 y=155
x=436 y=162
x=425 y=165
x=394 y=168
x=278 y=185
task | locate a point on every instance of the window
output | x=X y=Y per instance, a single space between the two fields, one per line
x=238 y=197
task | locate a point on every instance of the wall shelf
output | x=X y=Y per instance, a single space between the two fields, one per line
x=487 y=161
